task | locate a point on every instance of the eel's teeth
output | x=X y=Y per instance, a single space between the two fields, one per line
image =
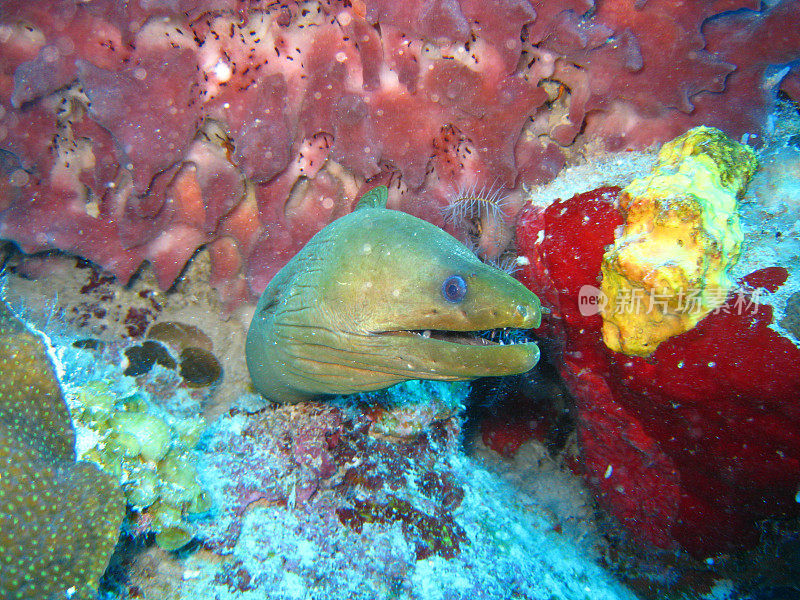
x=426 y=333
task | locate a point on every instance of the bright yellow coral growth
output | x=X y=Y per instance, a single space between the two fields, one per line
x=668 y=268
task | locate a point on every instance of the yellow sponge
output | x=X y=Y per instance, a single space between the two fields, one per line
x=668 y=267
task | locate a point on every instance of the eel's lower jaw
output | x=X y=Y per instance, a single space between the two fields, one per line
x=456 y=355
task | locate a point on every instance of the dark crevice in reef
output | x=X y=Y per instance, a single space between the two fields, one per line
x=507 y=411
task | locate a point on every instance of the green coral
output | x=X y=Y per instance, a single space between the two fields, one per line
x=147 y=455
x=59 y=519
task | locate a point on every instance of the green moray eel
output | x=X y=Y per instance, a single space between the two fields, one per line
x=378 y=297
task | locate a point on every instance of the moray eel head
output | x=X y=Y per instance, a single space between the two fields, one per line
x=379 y=297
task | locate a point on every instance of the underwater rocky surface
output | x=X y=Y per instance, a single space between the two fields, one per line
x=345 y=498
x=636 y=166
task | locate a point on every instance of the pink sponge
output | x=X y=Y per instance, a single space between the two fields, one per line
x=142 y=131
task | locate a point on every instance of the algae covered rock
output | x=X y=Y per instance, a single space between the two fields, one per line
x=148 y=454
x=59 y=519
x=408 y=409
x=668 y=268
x=143 y=434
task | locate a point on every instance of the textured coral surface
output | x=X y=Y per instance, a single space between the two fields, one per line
x=59 y=520
x=309 y=502
x=143 y=130
x=695 y=444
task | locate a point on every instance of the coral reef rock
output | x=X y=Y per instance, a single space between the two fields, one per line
x=309 y=503
x=59 y=519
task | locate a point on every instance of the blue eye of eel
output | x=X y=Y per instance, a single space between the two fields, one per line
x=454 y=288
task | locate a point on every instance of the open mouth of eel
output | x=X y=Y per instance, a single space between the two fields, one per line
x=505 y=336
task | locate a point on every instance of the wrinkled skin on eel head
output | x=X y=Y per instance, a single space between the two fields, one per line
x=378 y=297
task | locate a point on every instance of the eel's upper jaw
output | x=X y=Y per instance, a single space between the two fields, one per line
x=492 y=337
x=488 y=328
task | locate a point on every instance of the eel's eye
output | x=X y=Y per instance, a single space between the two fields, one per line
x=454 y=288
